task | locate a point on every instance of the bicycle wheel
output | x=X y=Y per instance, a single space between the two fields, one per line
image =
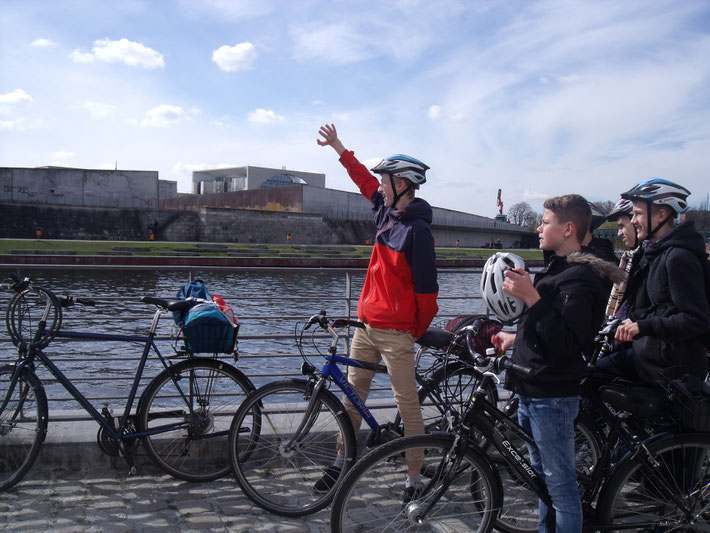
x=449 y=388
x=637 y=500
x=25 y=312
x=189 y=418
x=519 y=512
x=370 y=497
x=23 y=424
x=275 y=473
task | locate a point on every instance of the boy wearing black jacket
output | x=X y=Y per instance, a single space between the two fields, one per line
x=565 y=308
x=669 y=311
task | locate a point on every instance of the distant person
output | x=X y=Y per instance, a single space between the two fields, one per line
x=599 y=246
x=565 y=307
x=398 y=300
x=669 y=311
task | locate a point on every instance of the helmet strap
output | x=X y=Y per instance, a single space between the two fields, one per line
x=651 y=233
x=397 y=195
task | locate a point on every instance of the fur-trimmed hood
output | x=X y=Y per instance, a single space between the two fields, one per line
x=604 y=269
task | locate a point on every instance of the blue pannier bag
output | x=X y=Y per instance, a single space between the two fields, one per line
x=207 y=330
x=193 y=289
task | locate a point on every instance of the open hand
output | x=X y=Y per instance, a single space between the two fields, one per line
x=329 y=134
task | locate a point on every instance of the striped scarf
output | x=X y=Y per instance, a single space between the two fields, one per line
x=619 y=288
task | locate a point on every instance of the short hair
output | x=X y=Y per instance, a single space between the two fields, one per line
x=410 y=191
x=571 y=208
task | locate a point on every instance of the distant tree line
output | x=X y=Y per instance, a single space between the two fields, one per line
x=523 y=215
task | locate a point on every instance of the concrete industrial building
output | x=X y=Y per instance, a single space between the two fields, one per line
x=240 y=204
x=132 y=189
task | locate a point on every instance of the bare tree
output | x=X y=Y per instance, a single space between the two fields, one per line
x=606 y=206
x=520 y=213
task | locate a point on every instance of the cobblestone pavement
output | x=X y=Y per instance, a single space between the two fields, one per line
x=75 y=488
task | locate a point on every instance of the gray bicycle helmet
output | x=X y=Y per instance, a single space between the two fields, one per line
x=660 y=192
x=623 y=207
x=598 y=218
x=506 y=307
x=403 y=166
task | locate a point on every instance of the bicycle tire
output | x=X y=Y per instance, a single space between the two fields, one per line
x=634 y=501
x=370 y=496
x=195 y=449
x=451 y=386
x=24 y=313
x=282 y=480
x=519 y=512
x=23 y=424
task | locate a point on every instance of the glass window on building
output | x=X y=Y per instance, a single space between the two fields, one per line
x=283 y=180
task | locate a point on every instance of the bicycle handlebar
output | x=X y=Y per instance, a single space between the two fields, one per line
x=497 y=362
x=322 y=320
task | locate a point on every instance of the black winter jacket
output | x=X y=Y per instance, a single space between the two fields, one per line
x=671 y=307
x=554 y=332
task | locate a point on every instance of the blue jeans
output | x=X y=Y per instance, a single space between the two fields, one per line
x=621 y=363
x=551 y=423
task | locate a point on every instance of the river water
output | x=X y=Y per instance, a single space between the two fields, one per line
x=267 y=302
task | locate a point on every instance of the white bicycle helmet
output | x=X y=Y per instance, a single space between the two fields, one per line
x=506 y=307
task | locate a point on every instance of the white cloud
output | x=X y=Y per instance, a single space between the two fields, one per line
x=338 y=44
x=22 y=124
x=98 y=110
x=164 y=115
x=43 y=43
x=264 y=116
x=434 y=112
x=18 y=96
x=235 y=58
x=63 y=156
x=122 y=51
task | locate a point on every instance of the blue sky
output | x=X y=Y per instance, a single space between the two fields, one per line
x=538 y=98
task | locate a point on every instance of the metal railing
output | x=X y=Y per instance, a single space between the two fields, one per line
x=263 y=340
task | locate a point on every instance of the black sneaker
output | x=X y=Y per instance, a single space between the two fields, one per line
x=412 y=493
x=328 y=481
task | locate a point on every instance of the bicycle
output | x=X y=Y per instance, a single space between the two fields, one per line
x=182 y=416
x=661 y=484
x=301 y=419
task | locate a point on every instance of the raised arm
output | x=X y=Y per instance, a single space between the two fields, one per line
x=330 y=138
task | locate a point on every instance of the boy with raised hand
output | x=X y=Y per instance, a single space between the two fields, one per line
x=398 y=300
x=565 y=307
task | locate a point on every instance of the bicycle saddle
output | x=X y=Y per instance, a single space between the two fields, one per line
x=435 y=338
x=639 y=400
x=171 y=305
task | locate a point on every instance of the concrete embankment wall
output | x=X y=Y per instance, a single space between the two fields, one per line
x=208 y=224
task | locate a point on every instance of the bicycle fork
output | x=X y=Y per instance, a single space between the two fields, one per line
x=309 y=417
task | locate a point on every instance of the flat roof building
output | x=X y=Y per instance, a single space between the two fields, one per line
x=249 y=178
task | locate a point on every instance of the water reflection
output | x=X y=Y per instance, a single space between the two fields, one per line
x=263 y=300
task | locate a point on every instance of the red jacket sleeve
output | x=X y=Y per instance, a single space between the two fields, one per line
x=426 y=311
x=366 y=182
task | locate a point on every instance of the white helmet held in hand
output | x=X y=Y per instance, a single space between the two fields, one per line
x=506 y=307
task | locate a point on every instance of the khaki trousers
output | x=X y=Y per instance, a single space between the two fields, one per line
x=396 y=349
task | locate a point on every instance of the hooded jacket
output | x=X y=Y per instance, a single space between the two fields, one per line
x=671 y=306
x=558 y=328
x=400 y=287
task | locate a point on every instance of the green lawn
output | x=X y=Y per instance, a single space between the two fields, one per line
x=153 y=248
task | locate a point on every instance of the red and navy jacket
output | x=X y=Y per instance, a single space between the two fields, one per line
x=400 y=288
